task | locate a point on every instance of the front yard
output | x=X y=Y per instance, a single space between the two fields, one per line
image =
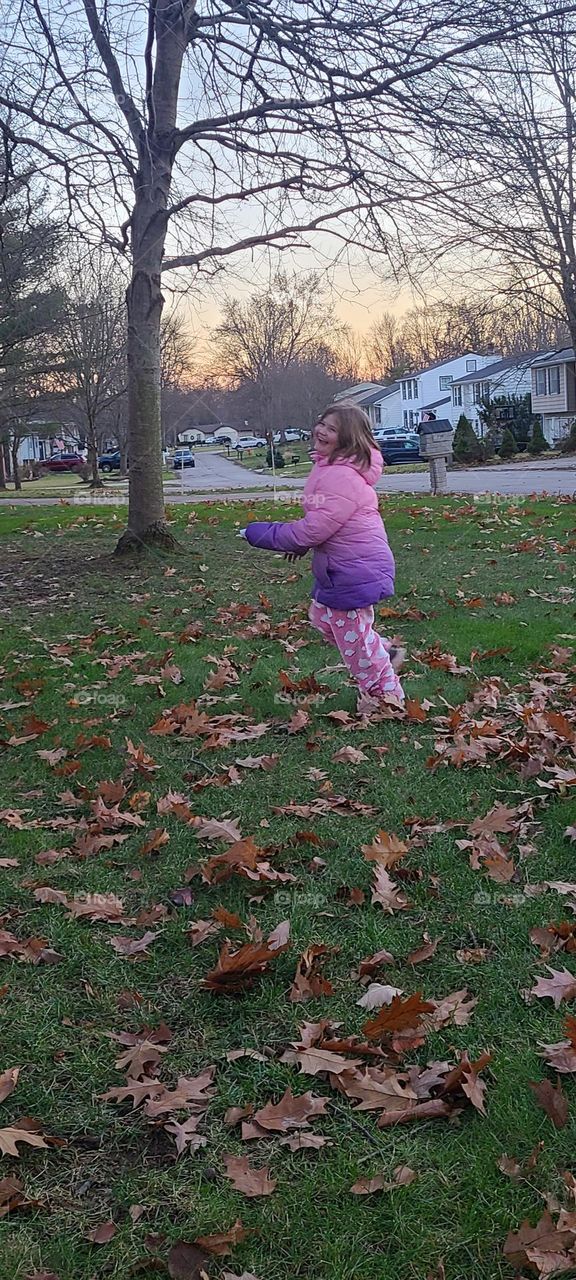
x=181 y=773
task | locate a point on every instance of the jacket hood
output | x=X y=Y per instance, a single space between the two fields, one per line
x=370 y=474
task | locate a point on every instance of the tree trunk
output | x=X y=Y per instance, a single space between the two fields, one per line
x=2 y=468
x=5 y=450
x=96 y=481
x=146 y=517
x=15 y=467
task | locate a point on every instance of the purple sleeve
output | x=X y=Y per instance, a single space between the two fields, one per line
x=273 y=536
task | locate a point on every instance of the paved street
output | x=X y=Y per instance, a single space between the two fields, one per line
x=217 y=476
x=214 y=471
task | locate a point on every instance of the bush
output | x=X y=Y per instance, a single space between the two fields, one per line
x=537 y=442
x=569 y=444
x=278 y=459
x=508 y=447
x=466 y=447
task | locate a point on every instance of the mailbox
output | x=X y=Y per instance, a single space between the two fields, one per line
x=436 y=438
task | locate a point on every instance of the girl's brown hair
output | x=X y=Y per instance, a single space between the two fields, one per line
x=355 y=438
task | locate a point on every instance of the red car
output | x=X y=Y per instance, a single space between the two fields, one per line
x=63 y=461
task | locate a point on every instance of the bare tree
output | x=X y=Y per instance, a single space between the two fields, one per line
x=184 y=131
x=275 y=331
x=510 y=146
x=30 y=311
x=92 y=346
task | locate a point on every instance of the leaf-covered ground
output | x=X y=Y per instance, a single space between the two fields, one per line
x=174 y=789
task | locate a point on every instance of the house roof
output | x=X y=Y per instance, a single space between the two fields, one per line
x=373 y=393
x=500 y=366
x=375 y=396
x=358 y=390
x=564 y=356
x=437 y=364
x=434 y=404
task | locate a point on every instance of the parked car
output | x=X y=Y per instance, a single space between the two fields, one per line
x=209 y=440
x=250 y=442
x=183 y=458
x=400 y=448
x=110 y=461
x=292 y=436
x=63 y=460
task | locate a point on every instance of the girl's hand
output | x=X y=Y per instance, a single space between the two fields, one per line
x=241 y=533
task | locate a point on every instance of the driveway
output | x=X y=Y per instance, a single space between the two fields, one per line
x=214 y=471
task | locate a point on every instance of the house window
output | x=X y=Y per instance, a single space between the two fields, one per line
x=446 y=382
x=476 y=392
x=554 y=380
x=485 y=390
x=405 y=417
x=410 y=389
x=471 y=366
x=457 y=397
x=377 y=414
x=540 y=382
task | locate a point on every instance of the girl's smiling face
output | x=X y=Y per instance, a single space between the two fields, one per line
x=326 y=435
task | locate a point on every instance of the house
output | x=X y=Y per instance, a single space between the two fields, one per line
x=508 y=377
x=430 y=390
x=554 y=392
x=197 y=435
x=44 y=437
x=382 y=404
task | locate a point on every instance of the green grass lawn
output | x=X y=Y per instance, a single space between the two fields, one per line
x=83 y=644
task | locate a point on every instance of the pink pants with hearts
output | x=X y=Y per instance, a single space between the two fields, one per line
x=363 y=650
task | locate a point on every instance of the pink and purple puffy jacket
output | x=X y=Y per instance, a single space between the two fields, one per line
x=352 y=564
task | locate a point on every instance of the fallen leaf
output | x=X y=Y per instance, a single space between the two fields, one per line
x=185 y=1135
x=561 y=986
x=398 y=1015
x=8 y=1082
x=425 y=952
x=304 y=1142
x=251 y=1182
x=290 y=1112
x=552 y=1099
x=158 y=837
x=237 y=970
x=187 y=1262
x=308 y=982
x=386 y=892
x=223 y=1242
x=378 y=994
x=385 y=849
x=133 y=946
x=13 y=1135
x=402 y=1176
x=102 y=1234
x=349 y=755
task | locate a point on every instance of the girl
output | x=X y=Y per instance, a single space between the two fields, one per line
x=352 y=563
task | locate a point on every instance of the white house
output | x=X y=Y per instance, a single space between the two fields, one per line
x=431 y=388
x=554 y=392
x=508 y=377
x=382 y=404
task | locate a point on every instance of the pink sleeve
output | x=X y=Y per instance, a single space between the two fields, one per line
x=329 y=509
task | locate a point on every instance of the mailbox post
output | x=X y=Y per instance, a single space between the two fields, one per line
x=436 y=447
